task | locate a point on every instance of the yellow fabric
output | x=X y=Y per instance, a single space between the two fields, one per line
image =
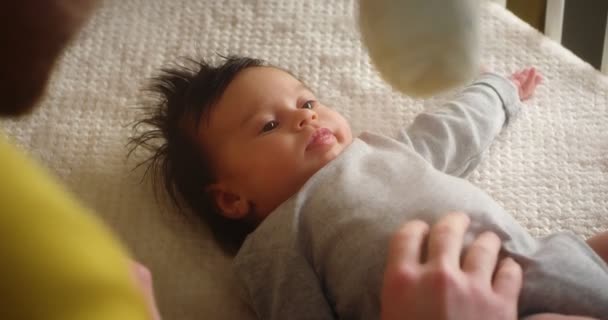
x=57 y=261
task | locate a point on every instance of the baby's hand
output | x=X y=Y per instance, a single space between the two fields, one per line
x=526 y=81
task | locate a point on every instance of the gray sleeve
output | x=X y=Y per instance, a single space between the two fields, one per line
x=453 y=137
x=562 y=275
x=283 y=288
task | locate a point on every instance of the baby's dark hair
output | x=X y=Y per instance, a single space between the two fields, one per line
x=184 y=95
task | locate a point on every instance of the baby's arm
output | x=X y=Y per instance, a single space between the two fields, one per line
x=453 y=137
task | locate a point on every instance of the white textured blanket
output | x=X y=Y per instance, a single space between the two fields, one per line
x=549 y=168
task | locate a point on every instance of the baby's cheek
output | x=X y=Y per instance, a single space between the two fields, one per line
x=345 y=135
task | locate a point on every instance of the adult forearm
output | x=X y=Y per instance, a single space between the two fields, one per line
x=554 y=316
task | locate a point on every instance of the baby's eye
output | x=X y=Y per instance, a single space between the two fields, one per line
x=308 y=104
x=271 y=125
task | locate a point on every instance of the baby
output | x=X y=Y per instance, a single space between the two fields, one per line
x=279 y=178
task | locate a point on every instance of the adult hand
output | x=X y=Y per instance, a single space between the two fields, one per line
x=440 y=287
x=143 y=279
x=33 y=35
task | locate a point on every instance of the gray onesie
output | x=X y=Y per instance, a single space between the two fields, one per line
x=321 y=253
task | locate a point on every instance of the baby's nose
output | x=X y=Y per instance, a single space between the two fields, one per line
x=305 y=117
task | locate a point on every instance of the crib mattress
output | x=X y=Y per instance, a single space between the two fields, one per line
x=549 y=168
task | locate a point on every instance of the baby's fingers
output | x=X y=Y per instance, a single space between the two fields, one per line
x=526 y=81
x=529 y=81
x=538 y=79
x=521 y=73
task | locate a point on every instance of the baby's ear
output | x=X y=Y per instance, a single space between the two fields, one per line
x=231 y=204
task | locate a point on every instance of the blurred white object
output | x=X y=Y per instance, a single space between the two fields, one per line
x=422 y=47
x=502 y=3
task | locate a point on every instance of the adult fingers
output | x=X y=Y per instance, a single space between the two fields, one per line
x=481 y=257
x=406 y=244
x=143 y=278
x=446 y=237
x=508 y=279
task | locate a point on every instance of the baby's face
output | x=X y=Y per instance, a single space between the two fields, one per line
x=267 y=135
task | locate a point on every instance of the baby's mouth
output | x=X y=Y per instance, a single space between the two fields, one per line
x=321 y=137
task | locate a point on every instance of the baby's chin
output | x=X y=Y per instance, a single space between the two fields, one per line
x=330 y=155
x=333 y=154
x=299 y=180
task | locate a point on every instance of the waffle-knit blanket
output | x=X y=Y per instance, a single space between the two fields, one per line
x=549 y=168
